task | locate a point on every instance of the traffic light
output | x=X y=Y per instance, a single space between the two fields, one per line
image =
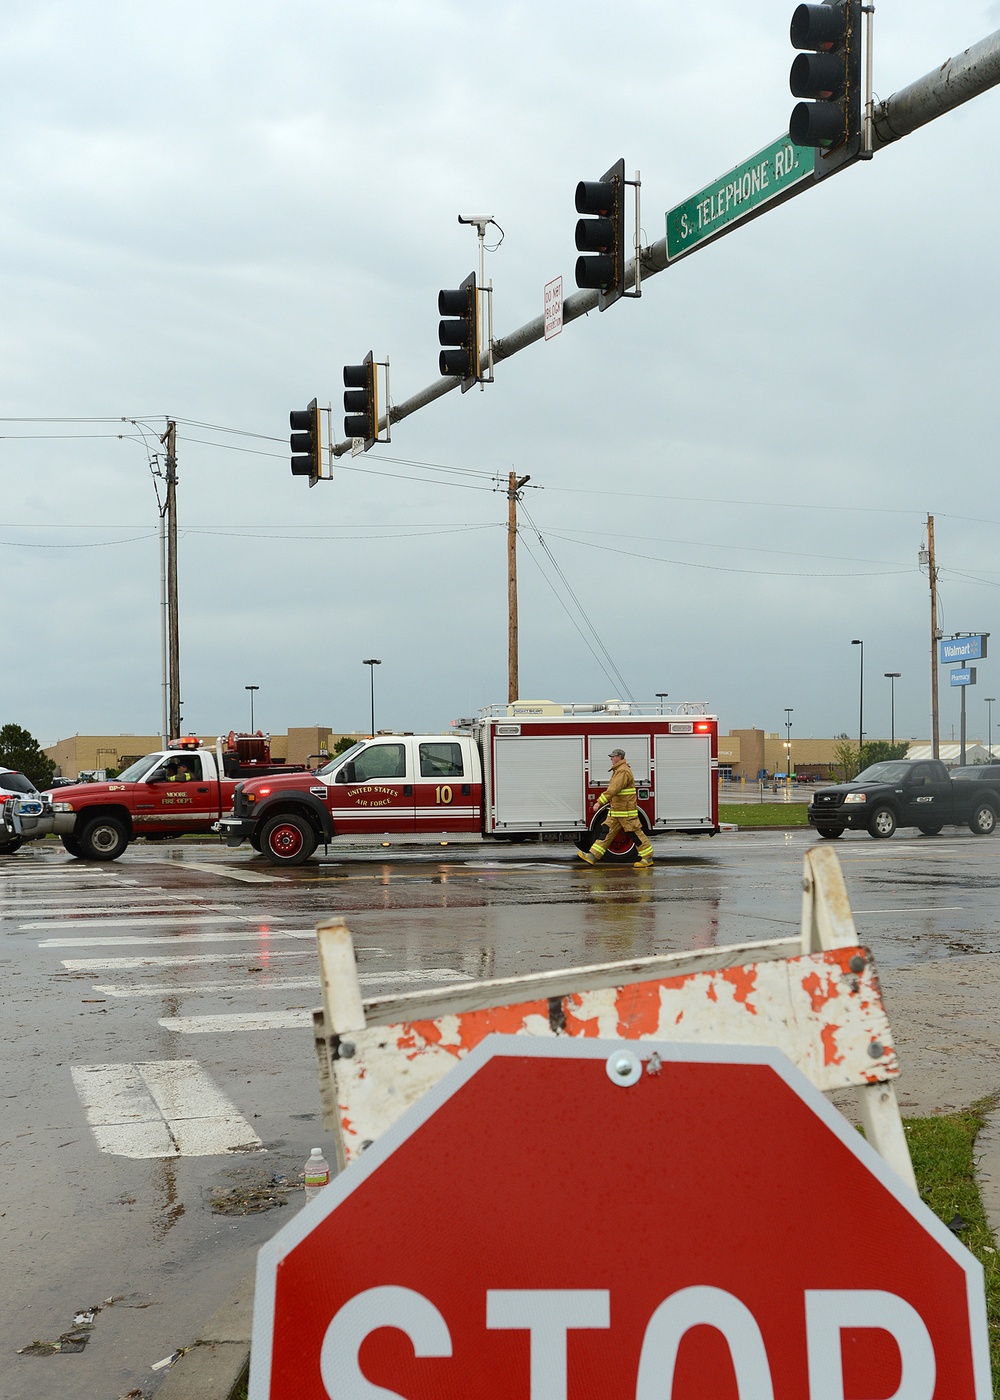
x=306 y=442
x=830 y=76
x=461 y=332
x=600 y=236
x=361 y=401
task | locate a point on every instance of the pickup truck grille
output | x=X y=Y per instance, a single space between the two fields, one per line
x=828 y=799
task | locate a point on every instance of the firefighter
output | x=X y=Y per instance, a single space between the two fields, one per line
x=623 y=814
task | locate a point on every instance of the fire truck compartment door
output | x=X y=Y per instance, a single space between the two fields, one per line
x=538 y=783
x=683 y=780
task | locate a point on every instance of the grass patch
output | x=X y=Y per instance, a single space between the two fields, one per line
x=943 y=1152
x=760 y=814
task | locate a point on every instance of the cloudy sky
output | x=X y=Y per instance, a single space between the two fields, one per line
x=207 y=210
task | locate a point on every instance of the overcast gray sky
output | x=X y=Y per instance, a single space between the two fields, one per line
x=208 y=209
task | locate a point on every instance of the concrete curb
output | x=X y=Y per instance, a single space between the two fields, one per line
x=987 y=1160
x=218 y=1362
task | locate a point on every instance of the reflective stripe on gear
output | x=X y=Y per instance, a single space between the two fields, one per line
x=646 y=851
x=597 y=850
x=624 y=812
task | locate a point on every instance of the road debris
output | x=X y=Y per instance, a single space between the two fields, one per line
x=252 y=1197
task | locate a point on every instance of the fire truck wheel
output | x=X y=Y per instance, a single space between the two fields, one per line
x=9 y=847
x=288 y=840
x=104 y=838
x=71 y=844
x=621 y=851
x=255 y=842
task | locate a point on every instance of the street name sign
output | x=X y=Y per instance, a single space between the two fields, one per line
x=564 y=1218
x=768 y=177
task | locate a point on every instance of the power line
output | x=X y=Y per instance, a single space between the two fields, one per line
x=617 y=678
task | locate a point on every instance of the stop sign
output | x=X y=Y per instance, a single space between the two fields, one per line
x=561 y=1219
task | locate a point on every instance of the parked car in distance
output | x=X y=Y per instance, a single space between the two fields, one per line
x=25 y=813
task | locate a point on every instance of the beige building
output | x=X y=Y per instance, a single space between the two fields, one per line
x=743 y=753
x=87 y=753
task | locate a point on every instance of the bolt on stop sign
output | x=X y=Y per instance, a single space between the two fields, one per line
x=565 y=1220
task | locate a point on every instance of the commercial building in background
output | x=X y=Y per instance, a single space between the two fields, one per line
x=101 y=753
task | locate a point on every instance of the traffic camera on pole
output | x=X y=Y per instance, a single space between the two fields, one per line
x=306 y=443
x=460 y=331
x=829 y=76
x=361 y=401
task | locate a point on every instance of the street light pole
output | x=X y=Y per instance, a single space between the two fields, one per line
x=989 y=711
x=371 y=663
x=892 y=677
x=251 y=689
x=662 y=695
x=857 y=642
x=789 y=711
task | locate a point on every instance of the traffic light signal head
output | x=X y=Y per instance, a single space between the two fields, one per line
x=829 y=76
x=600 y=235
x=361 y=401
x=306 y=442
x=460 y=332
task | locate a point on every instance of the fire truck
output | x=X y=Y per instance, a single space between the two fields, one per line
x=528 y=769
x=182 y=789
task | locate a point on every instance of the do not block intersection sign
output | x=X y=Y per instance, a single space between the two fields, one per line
x=568 y=1219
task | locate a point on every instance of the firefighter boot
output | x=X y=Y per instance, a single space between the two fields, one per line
x=585 y=855
x=645 y=864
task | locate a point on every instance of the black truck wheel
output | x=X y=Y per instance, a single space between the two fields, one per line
x=621 y=851
x=882 y=822
x=71 y=844
x=287 y=839
x=7 y=848
x=931 y=828
x=983 y=821
x=830 y=833
x=103 y=838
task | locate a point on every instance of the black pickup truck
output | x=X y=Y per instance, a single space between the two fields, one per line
x=905 y=793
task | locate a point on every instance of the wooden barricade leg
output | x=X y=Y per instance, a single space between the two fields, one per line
x=342 y=1011
x=827 y=922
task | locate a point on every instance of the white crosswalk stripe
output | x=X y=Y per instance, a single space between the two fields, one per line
x=164 y=1108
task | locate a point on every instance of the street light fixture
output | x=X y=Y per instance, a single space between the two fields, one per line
x=989 y=711
x=857 y=642
x=251 y=689
x=892 y=677
x=371 y=663
x=789 y=711
x=662 y=695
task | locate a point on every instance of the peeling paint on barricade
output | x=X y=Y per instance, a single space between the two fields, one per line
x=831 y=1055
x=817 y=1008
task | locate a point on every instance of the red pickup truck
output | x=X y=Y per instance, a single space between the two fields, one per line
x=181 y=789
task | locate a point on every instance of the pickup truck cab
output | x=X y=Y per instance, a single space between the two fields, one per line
x=177 y=791
x=902 y=792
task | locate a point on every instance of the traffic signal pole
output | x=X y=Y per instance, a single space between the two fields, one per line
x=967 y=75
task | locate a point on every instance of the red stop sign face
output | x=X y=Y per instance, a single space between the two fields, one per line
x=542 y=1227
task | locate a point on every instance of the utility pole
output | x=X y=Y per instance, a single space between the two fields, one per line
x=935 y=635
x=514 y=484
x=173 y=640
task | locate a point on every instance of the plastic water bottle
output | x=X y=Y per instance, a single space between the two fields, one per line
x=317 y=1173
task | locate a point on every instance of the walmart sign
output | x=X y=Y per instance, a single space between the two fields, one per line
x=963 y=649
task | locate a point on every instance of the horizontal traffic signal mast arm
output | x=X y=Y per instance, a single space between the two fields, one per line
x=967 y=75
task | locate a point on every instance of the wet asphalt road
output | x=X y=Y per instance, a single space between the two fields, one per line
x=198 y=962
